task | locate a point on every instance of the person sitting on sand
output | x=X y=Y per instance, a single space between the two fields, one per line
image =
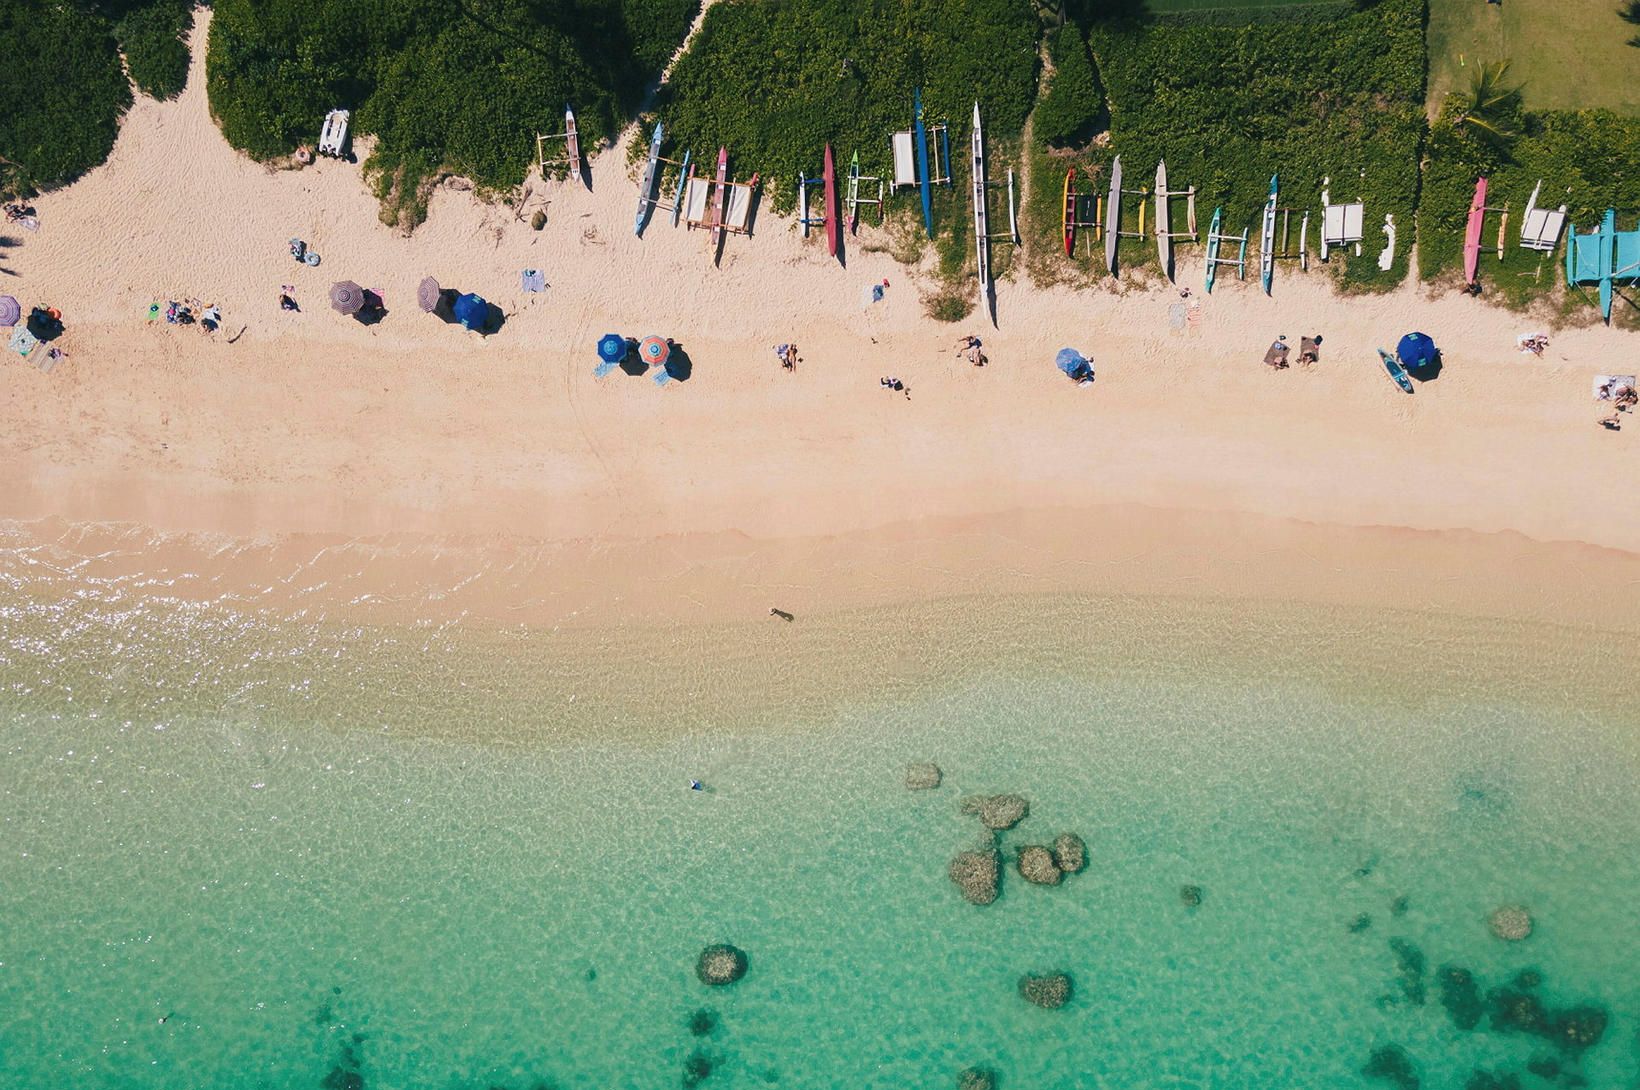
x=1309 y=350
x=788 y=359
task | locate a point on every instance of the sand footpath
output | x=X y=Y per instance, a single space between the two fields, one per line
x=312 y=424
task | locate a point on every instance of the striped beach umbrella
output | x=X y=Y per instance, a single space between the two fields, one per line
x=654 y=350
x=612 y=348
x=10 y=310
x=428 y=295
x=347 y=297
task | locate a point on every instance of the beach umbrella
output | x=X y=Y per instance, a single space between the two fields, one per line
x=612 y=348
x=471 y=311
x=10 y=310
x=654 y=350
x=428 y=295
x=1416 y=350
x=1073 y=363
x=347 y=297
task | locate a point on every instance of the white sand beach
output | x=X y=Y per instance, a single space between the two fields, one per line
x=1200 y=459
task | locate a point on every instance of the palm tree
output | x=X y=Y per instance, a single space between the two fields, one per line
x=1490 y=108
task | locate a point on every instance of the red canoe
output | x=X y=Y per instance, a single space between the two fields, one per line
x=834 y=218
x=1472 y=234
x=721 y=197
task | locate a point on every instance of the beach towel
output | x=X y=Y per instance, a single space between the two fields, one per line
x=1175 y=317
x=1605 y=386
x=22 y=341
x=1521 y=341
x=532 y=280
x=605 y=367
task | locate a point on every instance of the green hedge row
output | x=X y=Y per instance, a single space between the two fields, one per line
x=460 y=86
x=1229 y=107
x=63 y=92
x=1323 y=11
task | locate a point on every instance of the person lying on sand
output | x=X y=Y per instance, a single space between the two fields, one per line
x=1309 y=350
x=1276 y=357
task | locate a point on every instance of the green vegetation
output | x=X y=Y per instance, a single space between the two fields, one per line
x=1569 y=54
x=1074 y=105
x=64 y=93
x=152 y=38
x=1230 y=12
x=776 y=80
x=458 y=88
x=1227 y=107
x=1588 y=160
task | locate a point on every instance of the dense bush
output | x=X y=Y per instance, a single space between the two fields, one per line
x=63 y=93
x=1074 y=102
x=776 y=80
x=456 y=87
x=1588 y=160
x=1227 y=108
x=152 y=38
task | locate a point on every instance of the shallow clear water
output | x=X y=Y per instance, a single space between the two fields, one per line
x=314 y=849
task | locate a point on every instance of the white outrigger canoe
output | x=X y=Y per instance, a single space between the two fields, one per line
x=982 y=243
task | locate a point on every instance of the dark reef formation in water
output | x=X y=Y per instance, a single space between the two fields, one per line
x=977 y=1078
x=703 y=1022
x=1360 y=924
x=1191 y=896
x=1487 y=1080
x=1391 y=1064
x=1461 y=996
x=1409 y=970
x=696 y=1069
x=347 y=1073
x=922 y=776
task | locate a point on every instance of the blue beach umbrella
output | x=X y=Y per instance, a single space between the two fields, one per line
x=471 y=311
x=612 y=348
x=1074 y=364
x=1416 y=350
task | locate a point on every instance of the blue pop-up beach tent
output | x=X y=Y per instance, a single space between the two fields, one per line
x=1416 y=351
x=1074 y=364
x=471 y=311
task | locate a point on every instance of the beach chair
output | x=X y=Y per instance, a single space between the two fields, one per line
x=905 y=161
x=739 y=211
x=697 y=195
x=1341 y=225
x=1540 y=230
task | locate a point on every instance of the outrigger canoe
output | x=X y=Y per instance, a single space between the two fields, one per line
x=647 y=186
x=573 y=139
x=1114 y=214
x=720 y=198
x=1068 y=222
x=922 y=165
x=1396 y=371
x=1267 y=242
x=982 y=242
x=1164 y=223
x=1213 y=248
x=1472 y=232
x=834 y=218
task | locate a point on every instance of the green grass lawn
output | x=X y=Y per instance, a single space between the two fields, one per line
x=1568 y=54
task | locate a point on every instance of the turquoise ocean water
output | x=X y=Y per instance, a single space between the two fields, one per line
x=242 y=851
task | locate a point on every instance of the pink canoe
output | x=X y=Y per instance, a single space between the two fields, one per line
x=1472 y=234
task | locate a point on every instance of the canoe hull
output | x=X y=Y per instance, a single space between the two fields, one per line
x=647 y=186
x=1472 y=232
x=1267 y=242
x=925 y=184
x=1114 y=206
x=982 y=242
x=834 y=218
x=1068 y=220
